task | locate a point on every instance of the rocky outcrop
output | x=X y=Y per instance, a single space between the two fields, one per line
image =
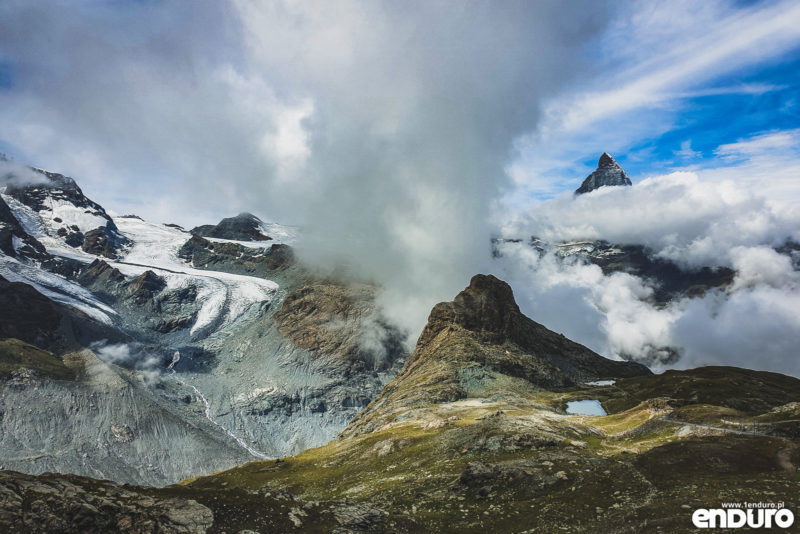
x=243 y=227
x=331 y=319
x=234 y=258
x=608 y=173
x=102 y=242
x=71 y=504
x=145 y=286
x=100 y=274
x=480 y=341
x=487 y=312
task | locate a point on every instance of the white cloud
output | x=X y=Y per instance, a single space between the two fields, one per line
x=12 y=174
x=755 y=322
x=686 y=151
x=679 y=216
x=763 y=266
x=654 y=58
x=760 y=145
x=689 y=55
x=767 y=163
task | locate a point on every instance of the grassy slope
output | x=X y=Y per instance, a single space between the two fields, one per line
x=643 y=468
x=16 y=354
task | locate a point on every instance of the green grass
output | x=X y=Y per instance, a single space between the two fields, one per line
x=16 y=355
x=751 y=392
x=630 y=470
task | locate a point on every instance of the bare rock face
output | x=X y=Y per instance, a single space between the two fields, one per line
x=102 y=242
x=145 y=286
x=330 y=319
x=608 y=173
x=235 y=258
x=100 y=274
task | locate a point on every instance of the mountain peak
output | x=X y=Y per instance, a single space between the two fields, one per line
x=482 y=332
x=486 y=308
x=606 y=160
x=608 y=173
x=486 y=304
x=248 y=216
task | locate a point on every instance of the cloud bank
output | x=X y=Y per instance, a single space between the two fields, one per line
x=382 y=128
x=390 y=130
x=13 y=175
x=755 y=322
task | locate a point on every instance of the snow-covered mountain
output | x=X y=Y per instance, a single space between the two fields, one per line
x=176 y=361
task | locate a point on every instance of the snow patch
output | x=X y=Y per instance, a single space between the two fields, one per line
x=17 y=243
x=601 y=383
x=71 y=215
x=223 y=298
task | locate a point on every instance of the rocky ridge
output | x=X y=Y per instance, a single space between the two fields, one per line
x=481 y=342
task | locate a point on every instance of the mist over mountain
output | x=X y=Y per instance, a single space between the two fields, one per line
x=391 y=145
x=286 y=266
x=677 y=219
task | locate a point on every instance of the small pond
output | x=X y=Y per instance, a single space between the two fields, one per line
x=585 y=407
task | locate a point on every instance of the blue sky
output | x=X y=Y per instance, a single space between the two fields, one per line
x=768 y=101
x=158 y=94
x=672 y=89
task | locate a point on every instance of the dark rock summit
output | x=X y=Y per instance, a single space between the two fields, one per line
x=243 y=227
x=486 y=310
x=608 y=173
